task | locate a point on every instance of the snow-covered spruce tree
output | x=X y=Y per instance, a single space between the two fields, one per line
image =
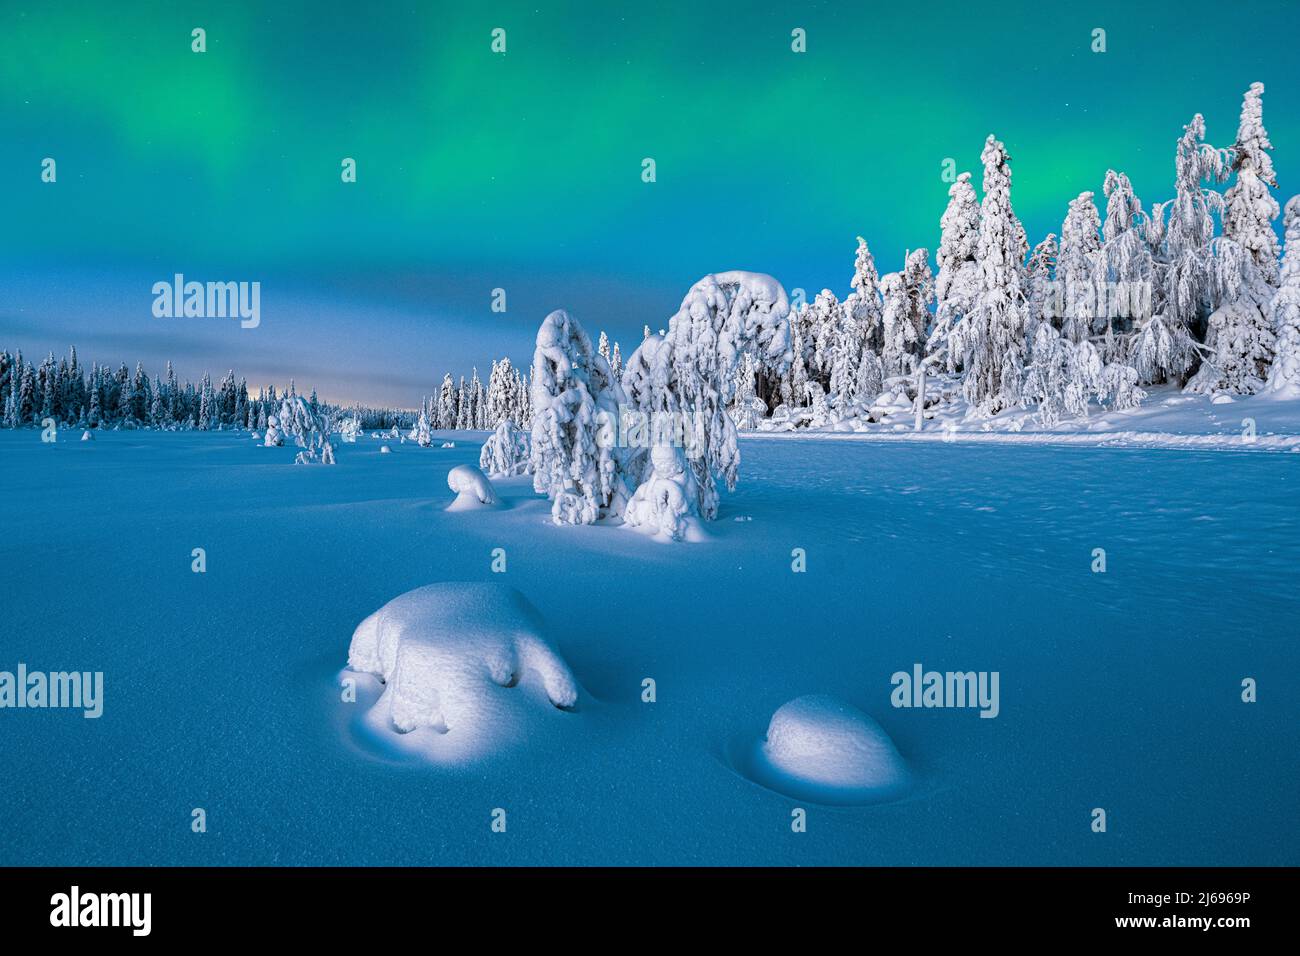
x=906 y=296
x=603 y=348
x=991 y=341
x=958 y=282
x=1239 y=339
x=420 y=433
x=747 y=408
x=1243 y=272
x=1076 y=268
x=1248 y=207
x=616 y=362
x=463 y=406
x=1164 y=348
x=575 y=458
x=446 y=408
x=1041 y=289
x=693 y=369
x=863 y=308
x=794 y=384
x=1284 y=311
x=820 y=416
x=826 y=318
x=205 y=405
x=1062 y=377
x=1125 y=269
x=500 y=394
x=506 y=452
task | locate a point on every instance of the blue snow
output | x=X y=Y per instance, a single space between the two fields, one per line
x=1119 y=690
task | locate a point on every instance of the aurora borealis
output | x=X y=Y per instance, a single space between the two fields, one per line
x=478 y=170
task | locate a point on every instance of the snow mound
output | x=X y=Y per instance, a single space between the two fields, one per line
x=385 y=450
x=461 y=665
x=822 y=749
x=449 y=444
x=473 y=490
x=87 y=435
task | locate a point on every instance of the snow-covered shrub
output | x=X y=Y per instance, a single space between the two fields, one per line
x=350 y=429
x=506 y=452
x=311 y=431
x=575 y=458
x=451 y=655
x=819 y=411
x=273 y=436
x=664 y=504
x=473 y=490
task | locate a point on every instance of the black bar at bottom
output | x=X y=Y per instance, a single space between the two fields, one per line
x=336 y=904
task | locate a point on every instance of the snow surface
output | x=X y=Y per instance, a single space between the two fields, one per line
x=1168 y=419
x=222 y=689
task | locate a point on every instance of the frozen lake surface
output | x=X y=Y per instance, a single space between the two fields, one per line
x=1118 y=690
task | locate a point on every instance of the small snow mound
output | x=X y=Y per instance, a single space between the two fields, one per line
x=473 y=490
x=466 y=661
x=820 y=748
x=449 y=444
x=1222 y=399
x=87 y=435
x=385 y=450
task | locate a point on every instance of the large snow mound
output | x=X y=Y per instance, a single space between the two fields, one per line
x=820 y=748
x=461 y=659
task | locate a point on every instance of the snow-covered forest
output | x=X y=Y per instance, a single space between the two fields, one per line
x=1193 y=293
x=67 y=393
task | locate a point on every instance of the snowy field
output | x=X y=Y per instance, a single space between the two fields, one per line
x=1118 y=690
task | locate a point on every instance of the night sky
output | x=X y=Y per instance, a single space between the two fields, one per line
x=523 y=171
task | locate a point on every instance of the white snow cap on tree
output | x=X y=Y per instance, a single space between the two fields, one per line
x=574 y=458
x=1284 y=311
